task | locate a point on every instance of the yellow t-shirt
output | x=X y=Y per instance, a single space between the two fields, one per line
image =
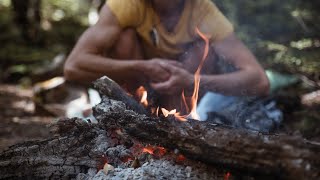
x=156 y=40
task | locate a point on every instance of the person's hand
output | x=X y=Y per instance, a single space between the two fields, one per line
x=179 y=79
x=154 y=69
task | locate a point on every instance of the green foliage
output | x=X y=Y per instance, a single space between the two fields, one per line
x=56 y=10
x=62 y=23
x=279 y=32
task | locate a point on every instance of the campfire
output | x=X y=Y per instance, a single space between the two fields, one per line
x=133 y=141
x=175 y=135
x=191 y=105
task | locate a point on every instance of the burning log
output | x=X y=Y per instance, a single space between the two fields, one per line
x=81 y=148
x=107 y=87
x=277 y=155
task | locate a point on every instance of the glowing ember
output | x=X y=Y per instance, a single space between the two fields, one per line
x=147 y=150
x=180 y=158
x=126 y=159
x=142 y=94
x=227 y=176
x=157 y=151
x=102 y=162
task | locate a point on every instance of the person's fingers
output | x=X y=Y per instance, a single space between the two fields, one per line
x=159 y=74
x=175 y=63
x=171 y=67
x=167 y=87
x=161 y=86
x=163 y=74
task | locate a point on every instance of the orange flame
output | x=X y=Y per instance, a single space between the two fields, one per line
x=143 y=95
x=194 y=98
x=192 y=106
x=174 y=112
x=193 y=114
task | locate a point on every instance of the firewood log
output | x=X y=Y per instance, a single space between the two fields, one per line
x=283 y=155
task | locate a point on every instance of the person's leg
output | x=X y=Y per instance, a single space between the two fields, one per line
x=127 y=47
x=213 y=102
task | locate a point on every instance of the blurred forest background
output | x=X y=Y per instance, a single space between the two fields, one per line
x=37 y=35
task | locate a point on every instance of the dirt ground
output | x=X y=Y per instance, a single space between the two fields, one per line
x=19 y=122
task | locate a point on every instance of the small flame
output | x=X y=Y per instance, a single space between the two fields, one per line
x=143 y=95
x=166 y=113
x=174 y=112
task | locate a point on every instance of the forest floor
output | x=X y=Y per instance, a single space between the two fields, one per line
x=19 y=123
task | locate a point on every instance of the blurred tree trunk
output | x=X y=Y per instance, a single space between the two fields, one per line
x=27 y=16
x=20 y=9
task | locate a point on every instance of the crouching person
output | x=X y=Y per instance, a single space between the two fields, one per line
x=154 y=42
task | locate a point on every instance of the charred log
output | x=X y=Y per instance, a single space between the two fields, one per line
x=81 y=149
x=280 y=155
x=107 y=87
x=77 y=147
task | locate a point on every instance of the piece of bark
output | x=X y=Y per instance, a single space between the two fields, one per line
x=107 y=87
x=279 y=156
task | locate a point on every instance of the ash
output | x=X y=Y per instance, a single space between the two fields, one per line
x=131 y=163
x=155 y=169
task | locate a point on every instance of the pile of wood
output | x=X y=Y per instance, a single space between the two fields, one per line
x=80 y=148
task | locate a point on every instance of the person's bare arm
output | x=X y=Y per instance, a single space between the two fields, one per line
x=86 y=62
x=249 y=79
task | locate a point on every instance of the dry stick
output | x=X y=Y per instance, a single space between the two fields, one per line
x=250 y=152
x=107 y=87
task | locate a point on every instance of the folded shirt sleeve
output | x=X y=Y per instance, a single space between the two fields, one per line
x=215 y=24
x=129 y=13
